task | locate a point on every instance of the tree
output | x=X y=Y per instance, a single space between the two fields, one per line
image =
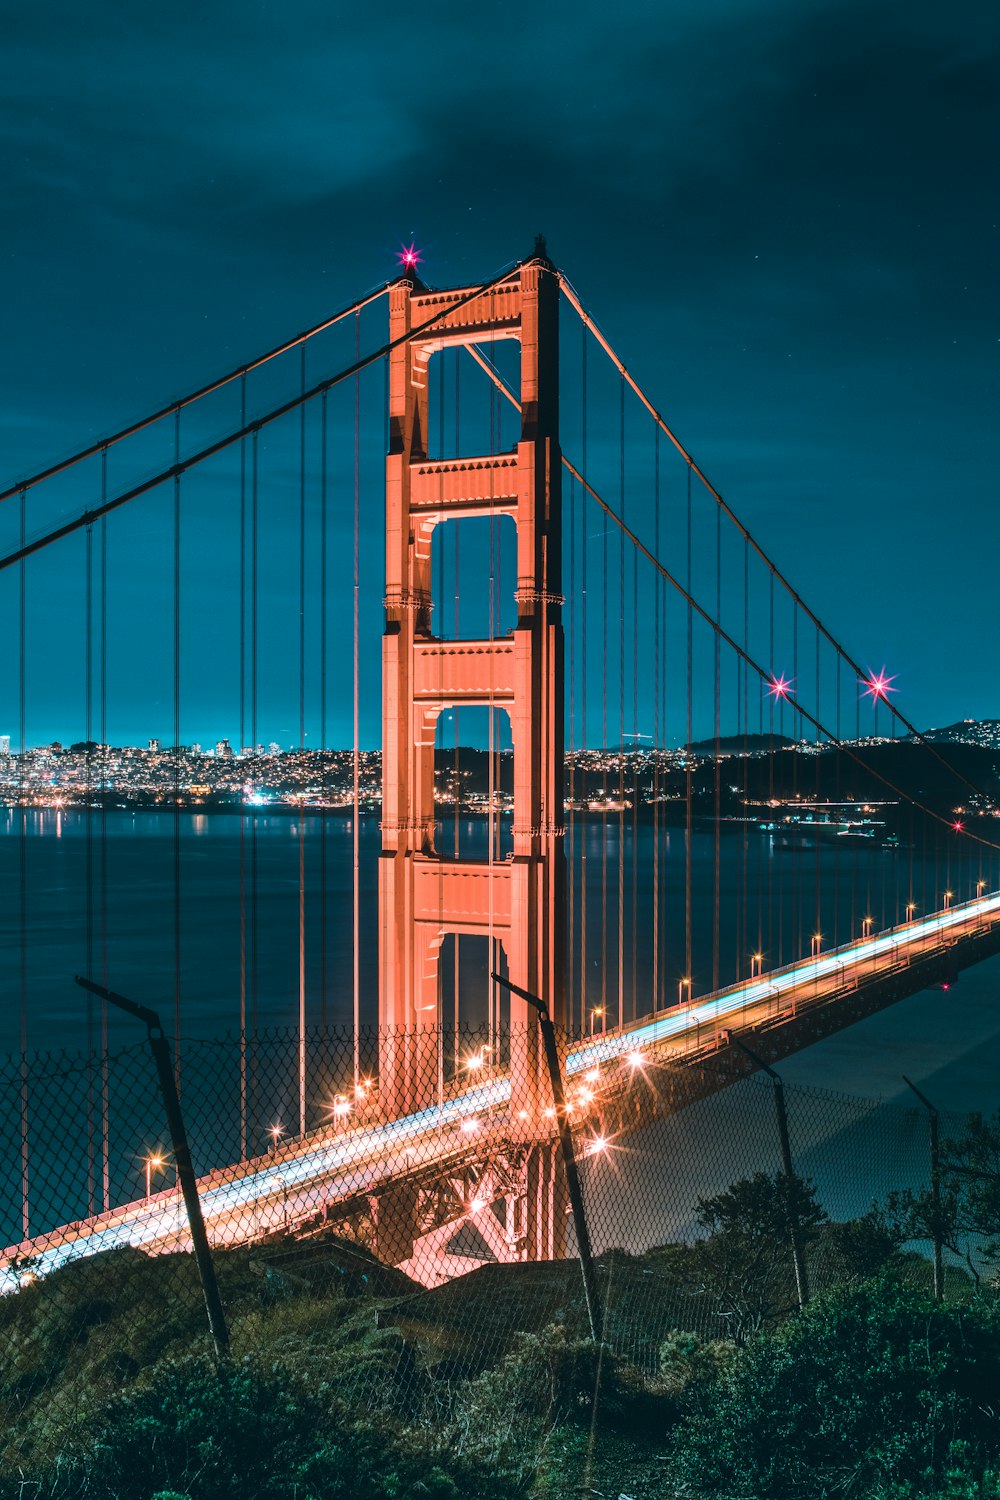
x=965 y=1214
x=743 y=1267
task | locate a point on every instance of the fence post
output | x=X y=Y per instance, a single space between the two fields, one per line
x=590 y=1291
x=932 y=1120
x=160 y=1048
x=798 y=1258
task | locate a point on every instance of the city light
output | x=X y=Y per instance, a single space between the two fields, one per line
x=636 y=1060
x=597 y=1146
x=409 y=256
x=780 y=687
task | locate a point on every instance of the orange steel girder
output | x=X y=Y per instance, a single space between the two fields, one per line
x=519 y=901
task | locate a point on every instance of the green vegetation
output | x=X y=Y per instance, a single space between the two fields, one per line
x=348 y=1380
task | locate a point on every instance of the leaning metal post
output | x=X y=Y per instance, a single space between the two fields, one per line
x=932 y=1119
x=160 y=1048
x=590 y=1291
x=798 y=1259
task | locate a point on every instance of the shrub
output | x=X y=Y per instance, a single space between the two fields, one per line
x=873 y=1392
x=238 y=1430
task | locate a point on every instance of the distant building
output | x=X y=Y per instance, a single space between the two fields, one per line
x=4 y=744
x=154 y=745
x=223 y=749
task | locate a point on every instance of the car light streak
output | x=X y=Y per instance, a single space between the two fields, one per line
x=386 y=1150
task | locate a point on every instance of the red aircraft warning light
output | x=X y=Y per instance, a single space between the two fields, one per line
x=878 y=685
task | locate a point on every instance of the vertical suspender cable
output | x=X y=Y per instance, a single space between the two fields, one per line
x=688 y=835
x=244 y=1142
x=301 y=1039
x=718 y=746
x=302 y=746
x=23 y=880
x=621 y=717
x=771 y=753
x=571 y=767
x=836 y=792
x=585 y=831
x=741 y=953
x=456 y=828
x=492 y=818
x=105 y=1081
x=796 y=914
x=656 y=722
x=456 y=957
x=604 y=773
x=176 y=754
x=817 y=913
x=89 y=878
x=636 y=762
x=254 y=1124
x=355 y=763
x=323 y=543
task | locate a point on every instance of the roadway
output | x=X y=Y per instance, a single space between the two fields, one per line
x=251 y=1199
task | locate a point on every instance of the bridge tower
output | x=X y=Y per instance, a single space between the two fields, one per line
x=422 y=897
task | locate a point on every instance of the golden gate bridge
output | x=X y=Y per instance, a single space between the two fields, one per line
x=614 y=595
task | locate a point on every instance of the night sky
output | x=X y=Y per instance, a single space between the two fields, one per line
x=783 y=213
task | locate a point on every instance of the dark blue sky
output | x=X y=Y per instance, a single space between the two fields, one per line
x=784 y=214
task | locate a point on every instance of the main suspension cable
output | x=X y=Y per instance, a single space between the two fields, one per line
x=247 y=429
x=175 y=407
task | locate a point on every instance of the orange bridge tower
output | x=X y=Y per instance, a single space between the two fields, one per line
x=422 y=897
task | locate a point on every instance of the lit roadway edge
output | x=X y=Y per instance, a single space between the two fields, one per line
x=270 y=1192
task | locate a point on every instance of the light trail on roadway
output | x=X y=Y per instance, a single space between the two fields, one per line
x=242 y=1202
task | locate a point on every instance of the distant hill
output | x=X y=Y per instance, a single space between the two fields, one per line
x=984 y=732
x=741 y=744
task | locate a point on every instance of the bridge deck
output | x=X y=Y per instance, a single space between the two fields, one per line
x=329 y=1172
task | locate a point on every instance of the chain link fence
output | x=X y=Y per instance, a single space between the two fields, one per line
x=413 y=1248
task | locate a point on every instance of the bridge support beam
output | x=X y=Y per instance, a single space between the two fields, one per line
x=518 y=903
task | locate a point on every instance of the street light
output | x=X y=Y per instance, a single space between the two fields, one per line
x=911 y=907
x=756 y=964
x=947 y=899
x=681 y=983
x=276 y=1131
x=866 y=926
x=151 y=1162
x=980 y=887
x=598 y=1010
x=817 y=938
